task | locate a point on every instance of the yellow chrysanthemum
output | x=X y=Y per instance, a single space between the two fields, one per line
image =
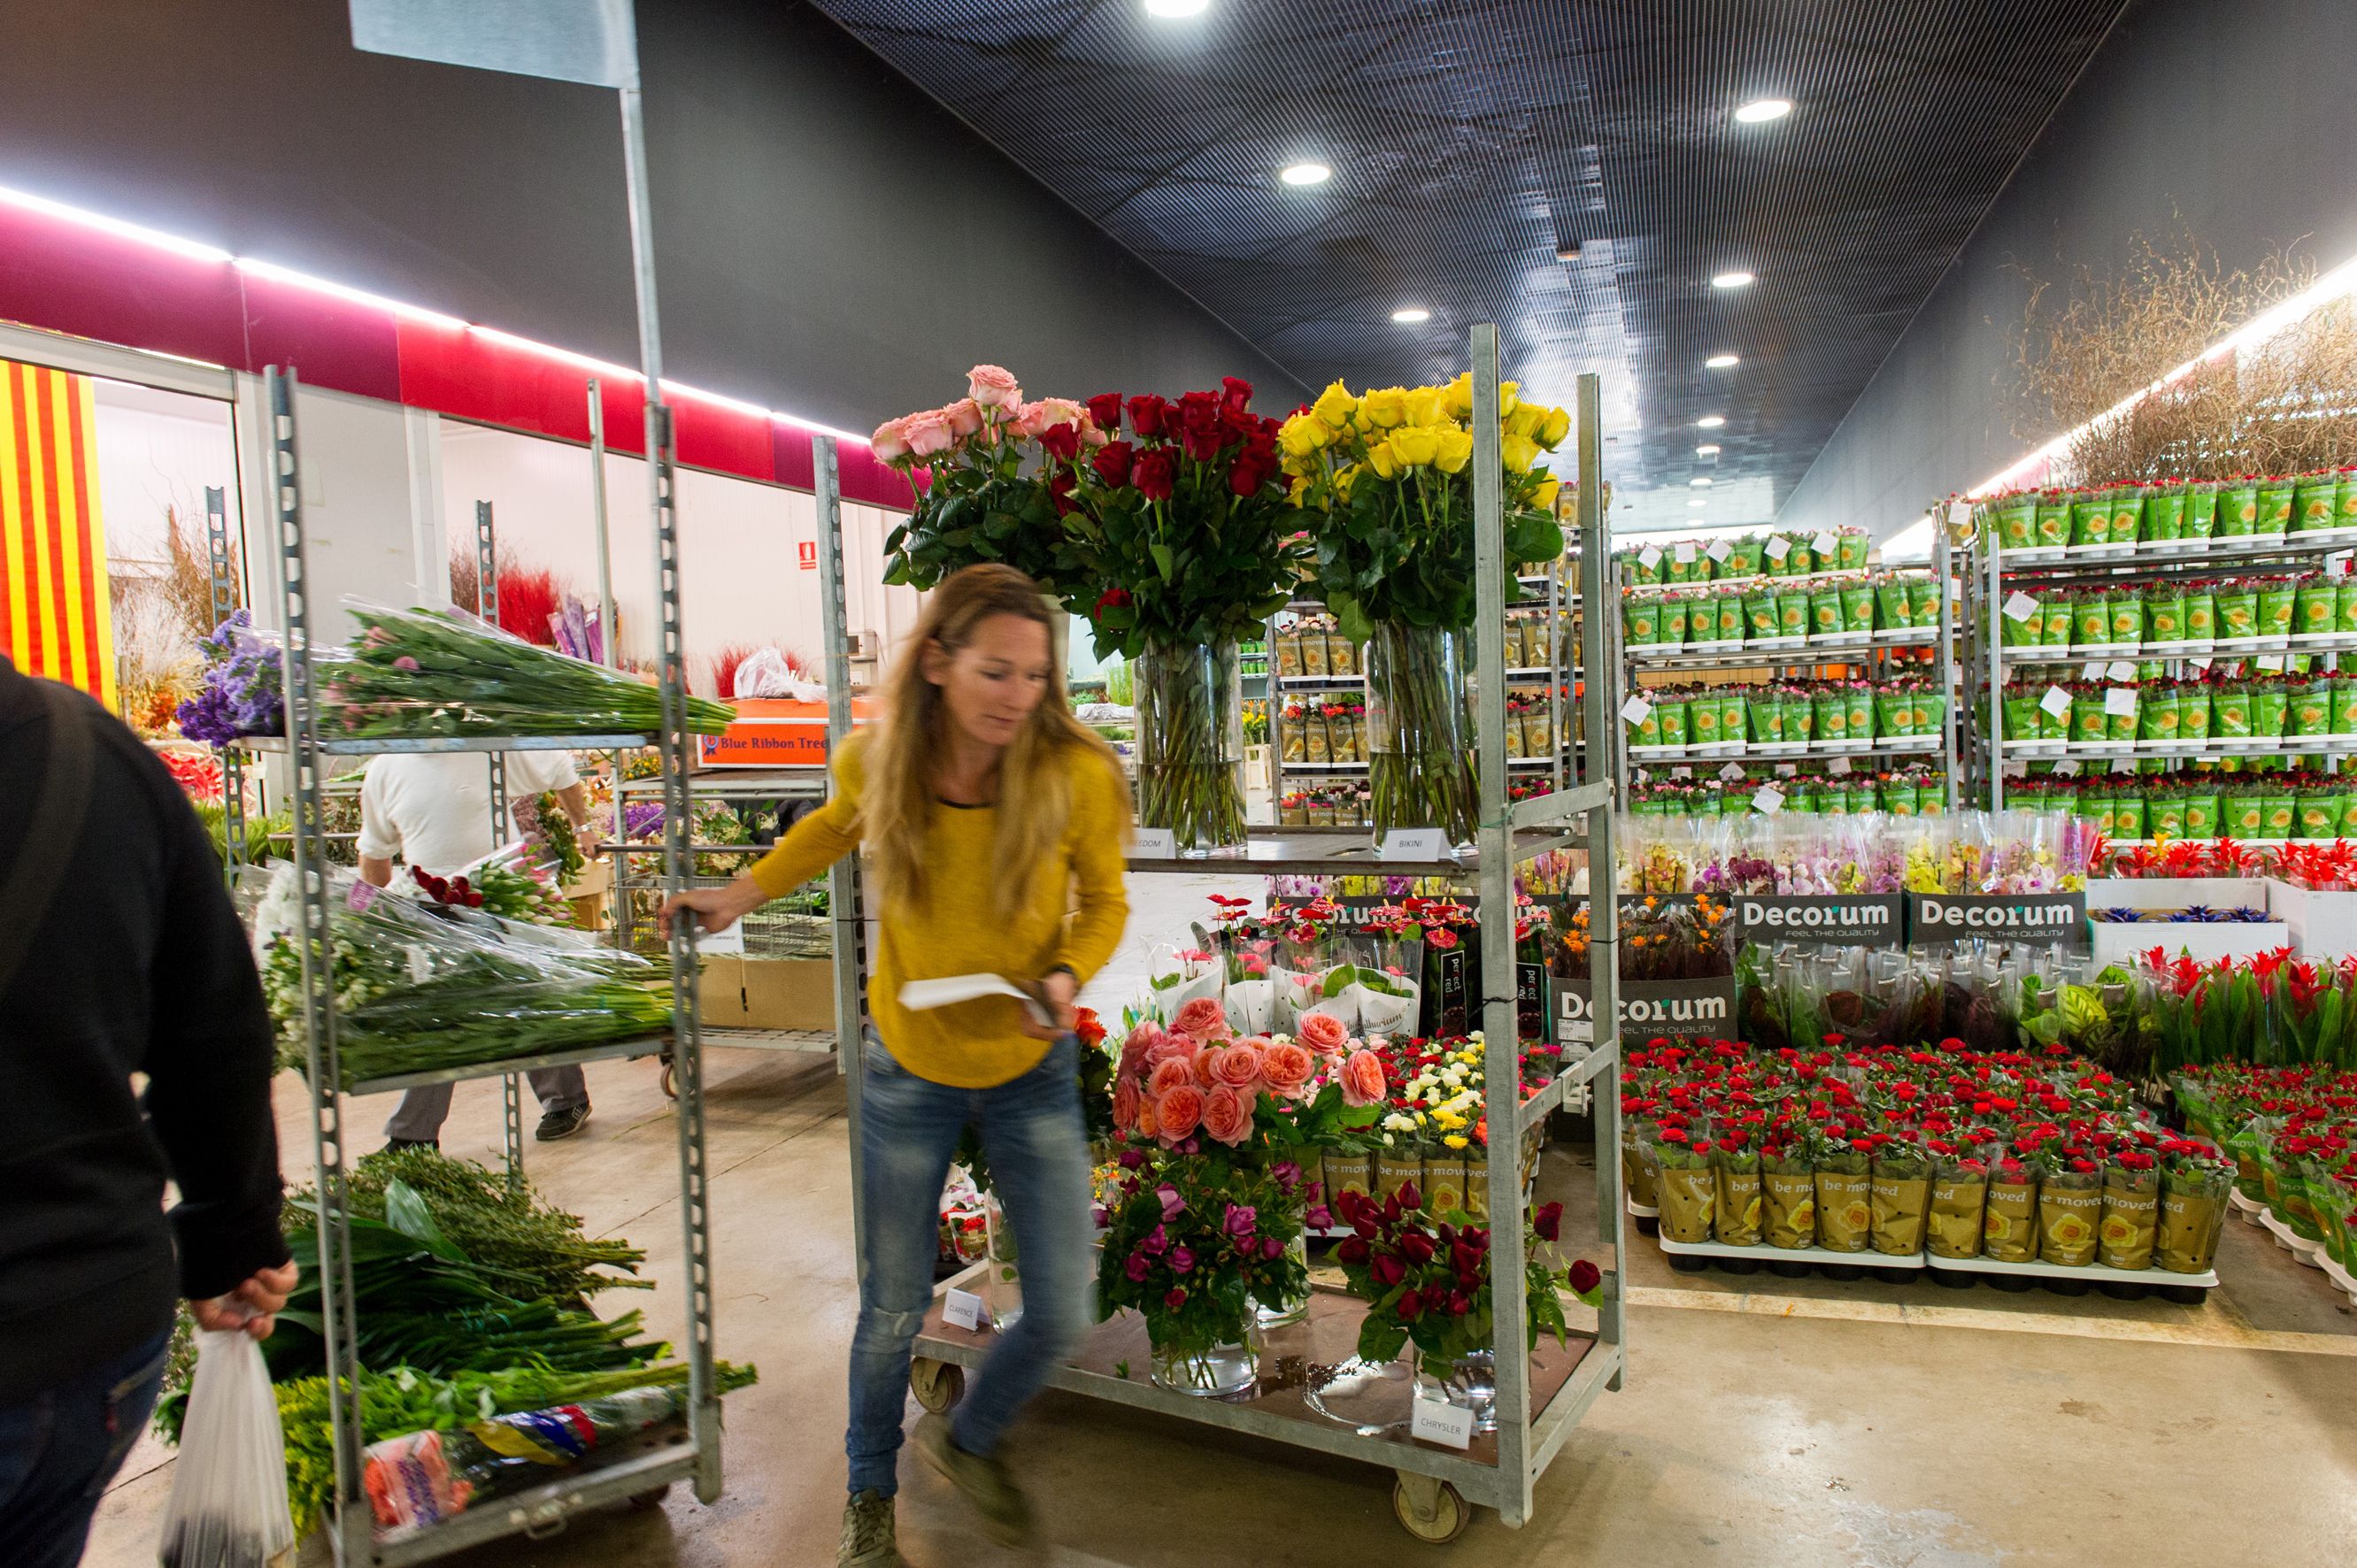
x=1384 y=407
x=1427 y=406
x=1335 y=405
x=1456 y=450
x=1557 y=426
x=1415 y=446
x=1520 y=453
x=1302 y=434
x=1381 y=459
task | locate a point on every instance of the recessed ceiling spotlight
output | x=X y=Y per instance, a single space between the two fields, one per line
x=1697 y=501
x=1757 y=111
x=1710 y=451
x=1699 y=480
x=1568 y=252
x=1409 y=315
x=1315 y=174
x=1721 y=362
x=1710 y=421
x=1731 y=280
x=1181 y=8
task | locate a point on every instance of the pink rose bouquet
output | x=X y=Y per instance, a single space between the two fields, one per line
x=994 y=478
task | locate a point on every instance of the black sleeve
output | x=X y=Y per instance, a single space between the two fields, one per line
x=209 y=1061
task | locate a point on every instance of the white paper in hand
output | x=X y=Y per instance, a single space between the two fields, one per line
x=719 y=944
x=923 y=995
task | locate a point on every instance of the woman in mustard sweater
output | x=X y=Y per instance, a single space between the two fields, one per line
x=994 y=823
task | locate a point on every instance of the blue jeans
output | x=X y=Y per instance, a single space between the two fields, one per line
x=1031 y=1129
x=59 y=1449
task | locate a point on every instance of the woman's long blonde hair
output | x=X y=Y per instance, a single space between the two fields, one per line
x=1035 y=796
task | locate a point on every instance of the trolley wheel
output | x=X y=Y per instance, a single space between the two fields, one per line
x=1444 y=1514
x=670 y=1080
x=938 y=1385
x=647 y=1502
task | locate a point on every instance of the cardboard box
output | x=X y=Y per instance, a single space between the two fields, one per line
x=788 y=992
x=720 y=994
x=773 y=731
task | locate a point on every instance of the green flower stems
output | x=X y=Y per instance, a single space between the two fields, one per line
x=1190 y=738
x=1420 y=758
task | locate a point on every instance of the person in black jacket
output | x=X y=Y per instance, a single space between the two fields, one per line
x=120 y=955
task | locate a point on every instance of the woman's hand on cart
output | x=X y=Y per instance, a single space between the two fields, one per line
x=716 y=909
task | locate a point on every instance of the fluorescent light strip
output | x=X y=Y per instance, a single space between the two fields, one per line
x=192 y=250
x=2338 y=283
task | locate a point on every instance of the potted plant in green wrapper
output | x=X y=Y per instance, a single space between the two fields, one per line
x=1388 y=478
x=1184 y=523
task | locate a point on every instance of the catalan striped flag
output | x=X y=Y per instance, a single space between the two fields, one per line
x=54 y=618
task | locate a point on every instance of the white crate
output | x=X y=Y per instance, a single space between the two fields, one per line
x=2177 y=892
x=2322 y=925
x=2202 y=943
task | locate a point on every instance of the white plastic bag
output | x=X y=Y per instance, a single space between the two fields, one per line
x=227 y=1507
x=766 y=673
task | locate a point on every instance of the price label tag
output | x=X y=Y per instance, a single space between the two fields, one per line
x=1768 y=798
x=1732 y=771
x=1415 y=843
x=1824 y=543
x=1435 y=1421
x=2120 y=702
x=2201 y=664
x=1636 y=710
x=2091 y=671
x=1838 y=765
x=421 y=968
x=1720 y=550
x=1960 y=514
x=2120 y=670
x=1157 y=843
x=1778 y=548
x=2020 y=606
x=2067 y=766
x=1686 y=554
x=1649 y=557
x=2273 y=663
x=1788 y=771
x=2124 y=765
x=963 y=1309
x=1681 y=772
x=363 y=895
x=2055 y=701
x=718 y=944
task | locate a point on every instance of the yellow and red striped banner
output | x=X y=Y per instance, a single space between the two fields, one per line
x=54 y=618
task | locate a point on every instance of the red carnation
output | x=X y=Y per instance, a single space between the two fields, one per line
x=1154 y=474
x=1060 y=488
x=1110 y=599
x=1388 y=1271
x=1411 y=1305
x=1547 y=1220
x=1111 y=463
x=1105 y=409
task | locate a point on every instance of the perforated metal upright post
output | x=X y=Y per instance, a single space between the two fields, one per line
x=843 y=892
x=487 y=606
x=226 y=599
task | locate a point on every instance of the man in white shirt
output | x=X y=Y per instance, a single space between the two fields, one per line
x=433 y=809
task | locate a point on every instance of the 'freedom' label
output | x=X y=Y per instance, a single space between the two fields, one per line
x=1831 y=920
x=2027 y=916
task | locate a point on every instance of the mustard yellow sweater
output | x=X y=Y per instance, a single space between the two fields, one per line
x=957 y=928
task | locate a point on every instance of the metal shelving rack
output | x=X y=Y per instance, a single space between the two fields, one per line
x=638 y=1467
x=1797 y=653
x=1995 y=573
x=1540 y=1399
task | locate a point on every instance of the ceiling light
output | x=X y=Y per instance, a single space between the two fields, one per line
x=1699 y=480
x=1313 y=174
x=1731 y=280
x=1710 y=451
x=1697 y=501
x=1757 y=111
x=1568 y=252
x=1710 y=421
x=1183 y=8
x=1410 y=315
x=1721 y=362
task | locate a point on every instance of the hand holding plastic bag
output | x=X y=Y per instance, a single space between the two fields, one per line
x=227 y=1507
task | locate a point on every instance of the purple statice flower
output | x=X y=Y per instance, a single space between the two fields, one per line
x=642 y=820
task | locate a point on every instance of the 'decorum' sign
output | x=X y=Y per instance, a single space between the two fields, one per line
x=1673 y=1008
x=2016 y=917
x=1865 y=921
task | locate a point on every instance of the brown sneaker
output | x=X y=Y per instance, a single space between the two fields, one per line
x=867 y=1535
x=1005 y=1513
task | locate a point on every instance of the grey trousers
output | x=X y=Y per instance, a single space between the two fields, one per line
x=420 y=1114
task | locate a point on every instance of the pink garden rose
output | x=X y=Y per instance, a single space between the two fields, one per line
x=1126 y=1101
x=964 y=416
x=1141 y=1040
x=1198 y=1017
x=1323 y=1033
x=1286 y=1064
x=928 y=432
x=1172 y=1047
x=890 y=442
x=1179 y=1112
x=1237 y=1065
x=1362 y=1079
x=1227 y=1115
x=991 y=387
x=1169 y=1075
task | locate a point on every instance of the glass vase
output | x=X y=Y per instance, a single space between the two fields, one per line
x=1191 y=744
x=1469 y=1382
x=1420 y=730
x=1293 y=1309
x=1217 y=1373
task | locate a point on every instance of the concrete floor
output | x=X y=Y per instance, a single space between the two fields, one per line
x=1766 y=1421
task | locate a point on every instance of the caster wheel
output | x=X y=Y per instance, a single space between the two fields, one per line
x=670 y=1081
x=1445 y=1522
x=647 y=1502
x=938 y=1385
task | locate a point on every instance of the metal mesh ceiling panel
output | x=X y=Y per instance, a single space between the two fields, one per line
x=1471 y=138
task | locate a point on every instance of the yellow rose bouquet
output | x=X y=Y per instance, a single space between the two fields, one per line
x=1385 y=478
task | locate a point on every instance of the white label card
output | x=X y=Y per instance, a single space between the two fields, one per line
x=719 y=944
x=2124 y=765
x=2201 y=664
x=2091 y=671
x=2120 y=670
x=2056 y=701
x=1436 y=1422
x=1415 y=843
x=1838 y=765
x=1720 y=550
x=2275 y=664
x=963 y=1309
x=1636 y=710
x=1686 y=554
x=1681 y=772
x=2067 y=766
x=1732 y=771
x=2020 y=606
x=1768 y=798
x=1824 y=544
x=1788 y=771
x=2120 y=702
x=1649 y=557
x=1778 y=548
x=1157 y=843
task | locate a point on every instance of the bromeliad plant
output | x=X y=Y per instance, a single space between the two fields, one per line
x=1389 y=478
x=1000 y=474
